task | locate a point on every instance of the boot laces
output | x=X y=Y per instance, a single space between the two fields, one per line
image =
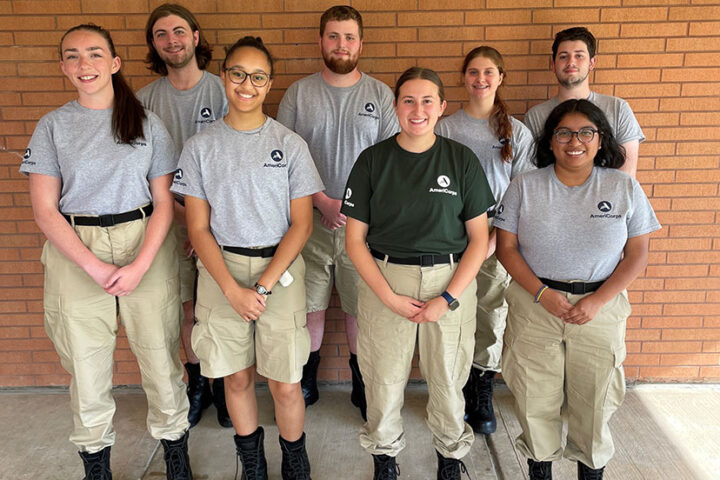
x=389 y=470
x=298 y=462
x=249 y=465
x=176 y=461
x=96 y=467
x=452 y=468
x=484 y=392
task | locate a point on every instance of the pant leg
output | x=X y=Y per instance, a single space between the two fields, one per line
x=492 y=280
x=533 y=367
x=150 y=315
x=595 y=381
x=386 y=343
x=81 y=321
x=446 y=349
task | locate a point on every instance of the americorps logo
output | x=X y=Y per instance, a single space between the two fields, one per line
x=26 y=158
x=277 y=157
x=348 y=194
x=605 y=207
x=206 y=115
x=178 y=178
x=444 y=182
x=370 y=111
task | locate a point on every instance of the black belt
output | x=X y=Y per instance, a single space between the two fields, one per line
x=576 y=288
x=422 y=260
x=110 y=220
x=266 y=252
x=491 y=213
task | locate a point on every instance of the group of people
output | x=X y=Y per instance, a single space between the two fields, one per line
x=192 y=217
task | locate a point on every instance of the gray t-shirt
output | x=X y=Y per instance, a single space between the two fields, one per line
x=575 y=233
x=482 y=140
x=619 y=114
x=248 y=178
x=99 y=175
x=185 y=112
x=338 y=123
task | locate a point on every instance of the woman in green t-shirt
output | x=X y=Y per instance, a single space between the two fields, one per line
x=418 y=201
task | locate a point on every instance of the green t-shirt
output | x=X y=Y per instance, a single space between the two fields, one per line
x=417 y=203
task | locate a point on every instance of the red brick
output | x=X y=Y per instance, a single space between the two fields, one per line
x=496 y=17
x=671 y=347
x=685 y=190
x=690 y=359
x=644 y=335
x=698 y=148
x=655 y=14
x=655 y=60
x=711 y=346
x=653 y=29
x=700 y=59
x=701 y=89
x=677 y=373
x=709 y=372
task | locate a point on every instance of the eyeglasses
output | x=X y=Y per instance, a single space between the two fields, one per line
x=584 y=135
x=237 y=76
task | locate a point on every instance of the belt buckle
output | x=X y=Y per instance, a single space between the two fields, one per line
x=107 y=220
x=427 y=260
x=577 y=288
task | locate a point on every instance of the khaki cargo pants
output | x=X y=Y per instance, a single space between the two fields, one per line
x=386 y=343
x=82 y=322
x=548 y=362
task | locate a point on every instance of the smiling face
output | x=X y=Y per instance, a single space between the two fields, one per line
x=418 y=108
x=482 y=78
x=246 y=98
x=572 y=63
x=174 y=41
x=88 y=63
x=575 y=157
x=340 y=45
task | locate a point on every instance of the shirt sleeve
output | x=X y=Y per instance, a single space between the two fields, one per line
x=304 y=177
x=164 y=156
x=188 y=176
x=532 y=121
x=358 y=190
x=523 y=149
x=389 y=120
x=628 y=128
x=478 y=195
x=288 y=105
x=641 y=219
x=41 y=154
x=507 y=213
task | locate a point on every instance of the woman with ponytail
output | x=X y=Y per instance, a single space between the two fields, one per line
x=503 y=145
x=100 y=169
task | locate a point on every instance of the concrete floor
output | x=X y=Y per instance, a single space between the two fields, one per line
x=660 y=432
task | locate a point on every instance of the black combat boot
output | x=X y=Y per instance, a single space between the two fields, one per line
x=218 y=397
x=198 y=392
x=295 y=463
x=539 y=470
x=97 y=465
x=587 y=473
x=251 y=453
x=357 y=397
x=482 y=417
x=177 y=463
x=385 y=468
x=450 y=468
x=309 y=379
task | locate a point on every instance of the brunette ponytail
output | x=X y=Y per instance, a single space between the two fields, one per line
x=499 y=118
x=128 y=113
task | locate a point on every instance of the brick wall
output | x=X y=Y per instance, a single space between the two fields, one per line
x=662 y=56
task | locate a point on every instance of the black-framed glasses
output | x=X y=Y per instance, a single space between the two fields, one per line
x=584 y=135
x=237 y=76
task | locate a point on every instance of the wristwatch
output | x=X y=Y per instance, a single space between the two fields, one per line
x=261 y=290
x=453 y=302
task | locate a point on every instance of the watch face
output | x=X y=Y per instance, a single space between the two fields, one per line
x=260 y=289
x=454 y=305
